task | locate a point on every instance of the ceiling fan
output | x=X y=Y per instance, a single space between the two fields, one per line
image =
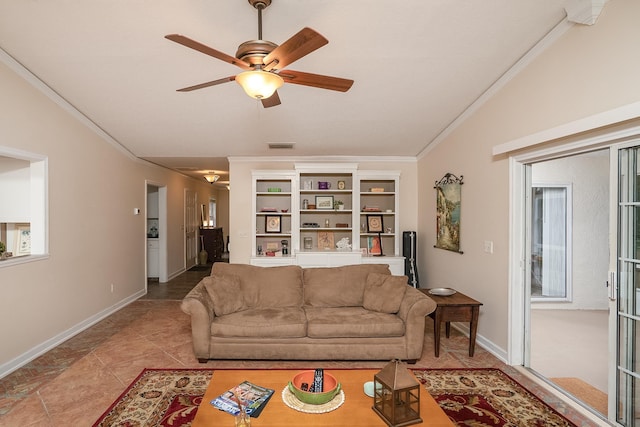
x=263 y=63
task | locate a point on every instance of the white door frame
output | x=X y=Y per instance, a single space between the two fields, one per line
x=590 y=133
x=190 y=220
x=162 y=225
x=569 y=144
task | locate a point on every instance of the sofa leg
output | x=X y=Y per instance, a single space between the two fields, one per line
x=412 y=361
x=206 y=360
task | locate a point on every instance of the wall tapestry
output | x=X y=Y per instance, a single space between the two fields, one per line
x=448 y=212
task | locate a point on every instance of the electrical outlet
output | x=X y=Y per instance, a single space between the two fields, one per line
x=488 y=246
x=112 y=288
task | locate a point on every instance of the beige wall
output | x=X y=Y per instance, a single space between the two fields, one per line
x=241 y=193
x=94 y=238
x=588 y=71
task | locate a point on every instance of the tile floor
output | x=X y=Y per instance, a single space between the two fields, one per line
x=74 y=383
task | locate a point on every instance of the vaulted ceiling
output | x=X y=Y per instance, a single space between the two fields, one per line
x=417 y=65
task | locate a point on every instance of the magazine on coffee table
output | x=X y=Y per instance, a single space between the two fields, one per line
x=252 y=397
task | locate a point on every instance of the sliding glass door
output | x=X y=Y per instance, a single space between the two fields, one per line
x=628 y=287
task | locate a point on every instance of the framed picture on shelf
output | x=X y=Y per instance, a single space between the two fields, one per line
x=23 y=240
x=326 y=240
x=324 y=202
x=374 y=245
x=272 y=224
x=374 y=224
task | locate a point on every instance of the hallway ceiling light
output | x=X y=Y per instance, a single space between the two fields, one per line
x=211 y=178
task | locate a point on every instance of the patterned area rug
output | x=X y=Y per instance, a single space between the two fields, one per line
x=487 y=397
x=159 y=397
x=470 y=397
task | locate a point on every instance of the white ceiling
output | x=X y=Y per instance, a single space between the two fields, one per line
x=416 y=65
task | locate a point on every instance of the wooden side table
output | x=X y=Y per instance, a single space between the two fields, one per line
x=454 y=308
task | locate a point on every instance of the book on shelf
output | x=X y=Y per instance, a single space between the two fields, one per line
x=252 y=397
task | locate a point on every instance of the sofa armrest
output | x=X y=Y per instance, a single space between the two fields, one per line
x=198 y=304
x=413 y=309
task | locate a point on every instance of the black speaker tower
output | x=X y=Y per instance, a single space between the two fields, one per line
x=409 y=253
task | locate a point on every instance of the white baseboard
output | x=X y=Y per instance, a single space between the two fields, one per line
x=176 y=274
x=483 y=342
x=40 y=349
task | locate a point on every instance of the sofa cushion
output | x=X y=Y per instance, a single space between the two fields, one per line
x=266 y=287
x=225 y=293
x=338 y=286
x=288 y=322
x=351 y=322
x=384 y=293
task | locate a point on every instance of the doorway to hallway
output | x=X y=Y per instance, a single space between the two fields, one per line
x=156 y=231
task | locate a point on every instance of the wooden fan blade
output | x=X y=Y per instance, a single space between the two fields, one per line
x=271 y=101
x=316 y=80
x=207 y=84
x=186 y=41
x=300 y=44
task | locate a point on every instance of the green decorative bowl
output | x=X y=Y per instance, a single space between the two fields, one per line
x=330 y=389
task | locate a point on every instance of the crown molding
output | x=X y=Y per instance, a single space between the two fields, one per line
x=585 y=12
x=50 y=93
x=548 y=40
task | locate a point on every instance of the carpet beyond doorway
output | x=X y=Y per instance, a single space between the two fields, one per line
x=585 y=392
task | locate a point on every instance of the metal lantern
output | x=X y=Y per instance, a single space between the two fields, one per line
x=396 y=396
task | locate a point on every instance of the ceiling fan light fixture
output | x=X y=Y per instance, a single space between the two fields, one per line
x=211 y=178
x=259 y=84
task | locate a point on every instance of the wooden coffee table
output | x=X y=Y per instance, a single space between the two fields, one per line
x=355 y=411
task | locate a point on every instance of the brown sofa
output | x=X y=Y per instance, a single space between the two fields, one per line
x=355 y=312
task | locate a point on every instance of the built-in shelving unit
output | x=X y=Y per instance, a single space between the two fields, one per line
x=274 y=219
x=319 y=205
x=322 y=221
x=378 y=196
